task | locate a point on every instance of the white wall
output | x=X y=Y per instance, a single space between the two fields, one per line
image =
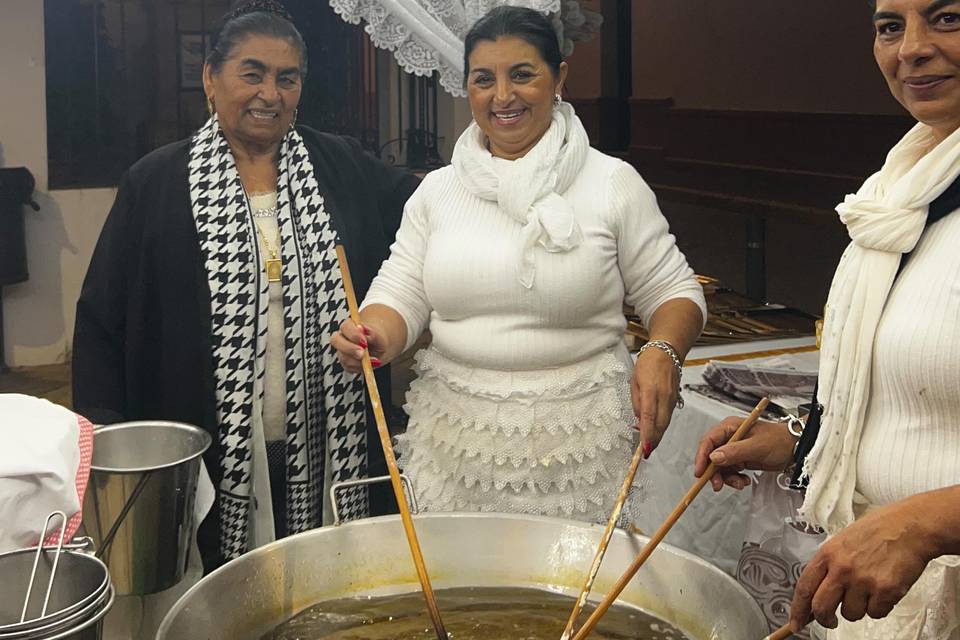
x=39 y=313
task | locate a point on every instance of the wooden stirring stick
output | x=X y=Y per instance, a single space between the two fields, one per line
x=782 y=633
x=664 y=529
x=604 y=542
x=391 y=459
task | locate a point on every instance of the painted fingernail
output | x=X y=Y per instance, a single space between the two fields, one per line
x=376 y=362
x=718 y=457
x=647 y=449
x=363 y=343
x=366 y=331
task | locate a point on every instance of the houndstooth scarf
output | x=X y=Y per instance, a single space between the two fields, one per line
x=325 y=405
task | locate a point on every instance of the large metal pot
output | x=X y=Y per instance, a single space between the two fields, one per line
x=252 y=594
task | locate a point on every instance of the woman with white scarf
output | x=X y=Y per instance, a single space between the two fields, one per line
x=518 y=258
x=884 y=474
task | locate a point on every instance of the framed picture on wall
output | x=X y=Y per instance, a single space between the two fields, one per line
x=192 y=50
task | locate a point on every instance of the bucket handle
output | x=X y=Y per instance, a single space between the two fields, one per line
x=36 y=563
x=137 y=490
x=347 y=484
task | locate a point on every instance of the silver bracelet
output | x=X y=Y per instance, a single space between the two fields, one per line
x=668 y=349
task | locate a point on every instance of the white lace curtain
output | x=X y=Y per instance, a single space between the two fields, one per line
x=427 y=35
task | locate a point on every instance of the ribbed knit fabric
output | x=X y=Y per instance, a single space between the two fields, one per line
x=911 y=437
x=455 y=268
x=522 y=403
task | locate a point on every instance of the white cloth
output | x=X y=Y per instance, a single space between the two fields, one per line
x=274 y=378
x=885 y=219
x=455 y=266
x=530 y=189
x=911 y=436
x=929 y=611
x=427 y=35
x=38 y=467
x=553 y=442
x=523 y=399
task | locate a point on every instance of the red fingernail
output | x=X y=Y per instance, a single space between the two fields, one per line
x=376 y=362
x=363 y=343
x=647 y=449
x=366 y=331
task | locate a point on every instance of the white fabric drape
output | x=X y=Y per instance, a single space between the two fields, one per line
x=427 y=35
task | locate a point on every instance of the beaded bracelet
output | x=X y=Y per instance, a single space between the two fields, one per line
x=668 y=349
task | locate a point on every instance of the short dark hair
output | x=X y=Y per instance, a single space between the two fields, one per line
x=255 y=18
x=520 y=22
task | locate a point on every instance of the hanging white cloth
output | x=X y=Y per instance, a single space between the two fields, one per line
x=427 y=35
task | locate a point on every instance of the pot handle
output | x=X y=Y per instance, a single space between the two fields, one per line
x=348 y=484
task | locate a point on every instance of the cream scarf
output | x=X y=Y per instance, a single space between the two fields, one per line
x=885 y=220
x=531 y=189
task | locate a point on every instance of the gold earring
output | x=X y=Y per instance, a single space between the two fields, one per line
x=210 y=106
x=293 y=122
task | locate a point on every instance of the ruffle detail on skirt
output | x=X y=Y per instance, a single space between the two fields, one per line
x=554 y=442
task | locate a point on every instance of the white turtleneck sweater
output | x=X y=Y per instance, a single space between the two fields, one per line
x=911 y=437
x=455 y=268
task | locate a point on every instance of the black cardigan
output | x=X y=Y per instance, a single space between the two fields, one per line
x=142 y=341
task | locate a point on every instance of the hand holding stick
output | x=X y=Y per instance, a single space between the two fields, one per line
x=398 y=492
x=664 y=529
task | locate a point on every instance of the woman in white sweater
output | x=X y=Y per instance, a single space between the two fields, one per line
x=884 y=474
x=518 y=258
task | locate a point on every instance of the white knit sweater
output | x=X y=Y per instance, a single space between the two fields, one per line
x=911 y=437
x=455 y=263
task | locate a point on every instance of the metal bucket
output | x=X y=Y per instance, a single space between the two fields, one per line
x=254 y=593
x=139 y=504
x=79 y=596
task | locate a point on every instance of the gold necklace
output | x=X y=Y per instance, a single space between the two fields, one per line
x=273 y=265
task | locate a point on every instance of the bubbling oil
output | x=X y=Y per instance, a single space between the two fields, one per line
x=468 y=614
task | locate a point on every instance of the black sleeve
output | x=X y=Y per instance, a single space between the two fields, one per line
x=99 y=333
x=394 y=187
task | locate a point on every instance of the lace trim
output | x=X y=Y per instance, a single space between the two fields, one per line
x=414 y=55
x=553 y=442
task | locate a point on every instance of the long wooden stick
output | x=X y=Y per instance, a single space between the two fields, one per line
x=604 y=542
x=782 y=633
x=664 y=529
x=391 y=459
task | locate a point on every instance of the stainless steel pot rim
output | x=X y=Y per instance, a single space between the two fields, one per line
x=205 y=437
x=70 y=625
x=181 y=603
x=66 y=612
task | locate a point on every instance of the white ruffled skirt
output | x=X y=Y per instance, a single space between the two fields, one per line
x=551 y=442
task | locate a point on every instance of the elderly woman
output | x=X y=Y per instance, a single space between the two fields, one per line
x=518 y=259
x=214 y=287
x=884 y=474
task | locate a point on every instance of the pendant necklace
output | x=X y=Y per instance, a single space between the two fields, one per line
x=273 y=264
